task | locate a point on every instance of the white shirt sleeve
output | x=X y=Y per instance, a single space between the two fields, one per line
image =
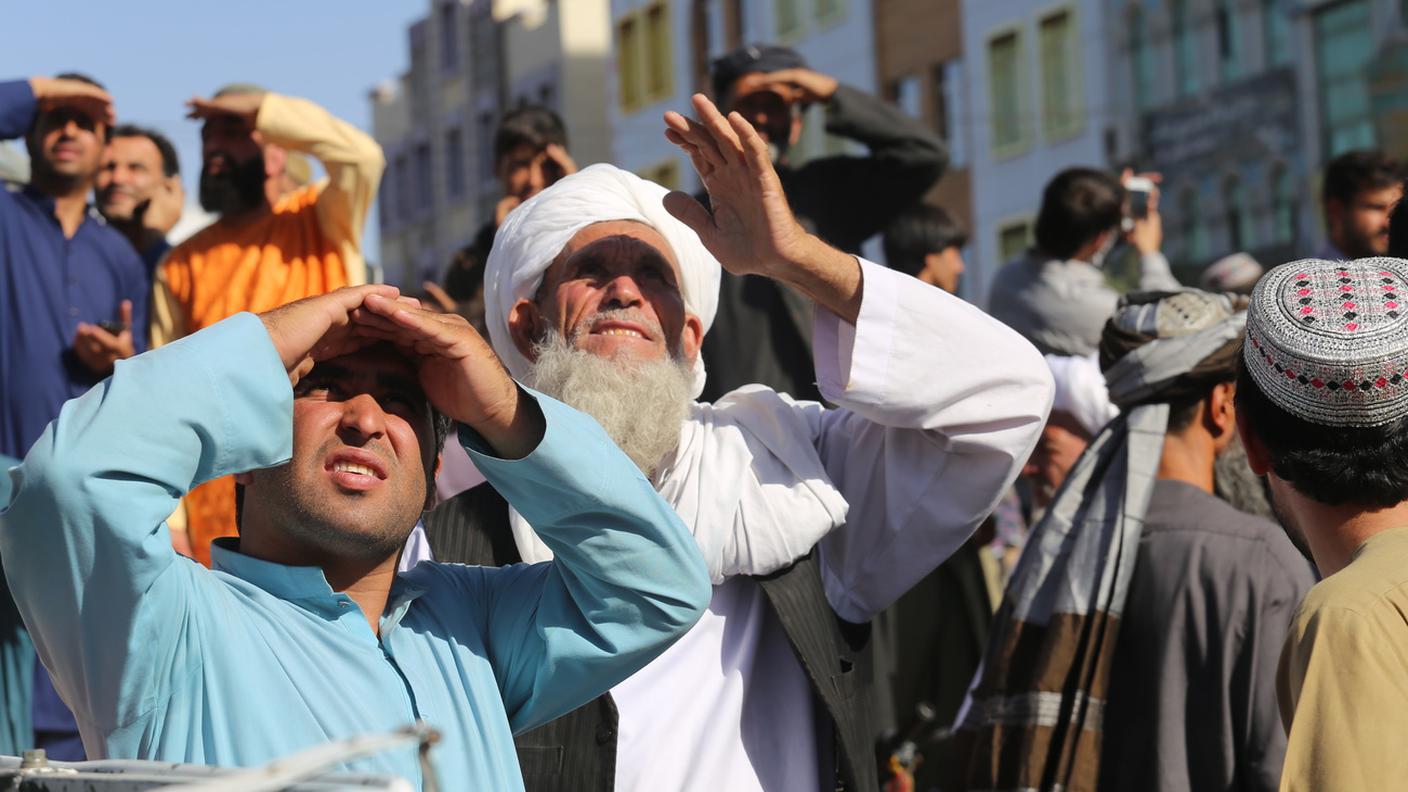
x=940 y=406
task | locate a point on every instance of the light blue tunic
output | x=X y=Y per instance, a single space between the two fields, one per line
x=163 y=659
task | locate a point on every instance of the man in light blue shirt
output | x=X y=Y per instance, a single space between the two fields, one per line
x=303 y=631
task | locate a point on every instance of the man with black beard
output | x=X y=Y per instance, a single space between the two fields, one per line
x=601 y=290
x=270 y=246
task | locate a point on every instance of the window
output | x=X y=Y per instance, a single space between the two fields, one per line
x=1004 y=87
x=449 y=38
x=787 y=19
x=404 y=193
x=666 y=174
x=1344 y=44
x=659 y=76
x=424 y=176
x=1141 y=58
x=1239 y=220
x=1284 y=206
x=828 y=10
x=947 y=90
x=484 y=148
x=1060 y=76
x=1185 y=50
x=1227 y=43
x=454 y=163
x=628 y=62
x=644 y=59
x=1195 y=238
x=1276 y=22
x=1013 y=239
x=907 y=94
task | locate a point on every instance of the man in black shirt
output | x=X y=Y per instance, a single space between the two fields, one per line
x=763 y=332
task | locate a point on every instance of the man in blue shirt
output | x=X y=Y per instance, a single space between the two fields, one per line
x=303 y=631
x=61 y=269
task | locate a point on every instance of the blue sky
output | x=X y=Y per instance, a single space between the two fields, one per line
x=154 y=54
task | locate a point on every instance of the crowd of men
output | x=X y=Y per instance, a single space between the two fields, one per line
x=887 y=539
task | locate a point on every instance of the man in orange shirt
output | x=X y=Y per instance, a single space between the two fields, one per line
x=271 y=246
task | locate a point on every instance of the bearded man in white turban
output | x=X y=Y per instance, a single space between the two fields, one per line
x=599 y=291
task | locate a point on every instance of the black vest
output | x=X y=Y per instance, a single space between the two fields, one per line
x=578 y=750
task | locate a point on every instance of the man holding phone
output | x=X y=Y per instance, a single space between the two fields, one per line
x=60 y=267
x=138 y=189
x=1055 y=295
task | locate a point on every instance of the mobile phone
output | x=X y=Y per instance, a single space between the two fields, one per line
x=116 y=328
x=1139 y=189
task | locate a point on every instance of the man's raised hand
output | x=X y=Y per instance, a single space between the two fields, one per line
x=459 y=372
x=244 y=105
x=54 y=92
x=320 y=328
x=751 y=228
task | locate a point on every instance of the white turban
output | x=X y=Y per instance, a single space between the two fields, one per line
x=1081 y=391
x=535 y=233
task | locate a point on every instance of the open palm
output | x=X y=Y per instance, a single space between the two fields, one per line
x=751 y=229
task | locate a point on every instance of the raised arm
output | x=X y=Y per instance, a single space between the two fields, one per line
x=20 y=100
x=943 y=403
x=352 y=159
x=82 y=539
x=627 y=578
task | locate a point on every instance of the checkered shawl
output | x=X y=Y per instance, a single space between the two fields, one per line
x=1034 y=714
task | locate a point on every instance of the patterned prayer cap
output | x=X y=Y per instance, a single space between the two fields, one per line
x=1327 y=341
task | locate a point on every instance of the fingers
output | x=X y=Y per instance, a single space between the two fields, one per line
x=755 y=151
x=724 y=136
x=696 y=140
x=690 y=212
x=124 y=313
x=442 y=299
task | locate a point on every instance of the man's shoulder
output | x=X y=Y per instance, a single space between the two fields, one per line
x=1372 y=587
x=1246 y=544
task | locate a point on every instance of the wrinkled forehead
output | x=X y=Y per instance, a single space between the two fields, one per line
x=616 y=240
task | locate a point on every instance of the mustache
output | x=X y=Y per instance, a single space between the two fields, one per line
x=620 y=315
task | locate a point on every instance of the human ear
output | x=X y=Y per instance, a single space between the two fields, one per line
x=691 y=338
x=526 y=326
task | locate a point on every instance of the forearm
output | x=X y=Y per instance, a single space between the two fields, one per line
x=829 y=277
x=1155 y=273
x=942 y=405
x=17 y=108
x=626 y=579
x=83 y=543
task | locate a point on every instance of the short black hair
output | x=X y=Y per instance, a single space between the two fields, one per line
x=1334 y=465
x=1078 y=205
x=915 y=233
x=170 y=166
x=530 y=125
x=1353 y=172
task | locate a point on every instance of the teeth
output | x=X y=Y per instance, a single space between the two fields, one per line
x=350 y=467
x=621 y=331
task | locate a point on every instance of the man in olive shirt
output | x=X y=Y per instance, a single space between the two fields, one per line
x=1322 y=405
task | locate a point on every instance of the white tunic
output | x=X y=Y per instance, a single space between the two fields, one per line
x=938 y=407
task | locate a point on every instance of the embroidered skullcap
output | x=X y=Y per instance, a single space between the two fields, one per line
x=1327 y=341
x=1238 y=273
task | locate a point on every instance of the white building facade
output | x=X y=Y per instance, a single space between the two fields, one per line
x=661 y=55
x=1038 y=103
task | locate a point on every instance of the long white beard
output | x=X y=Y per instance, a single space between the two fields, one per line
x=640 y=404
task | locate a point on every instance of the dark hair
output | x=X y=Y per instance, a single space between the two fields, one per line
x=1353 y=172
x=1364 y=466
x=531 y=125
x=170 y=166
x=1078 y=205
x=1398 y=230
x=915 y=233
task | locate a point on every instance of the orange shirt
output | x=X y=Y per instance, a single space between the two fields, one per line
x=309 y=244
